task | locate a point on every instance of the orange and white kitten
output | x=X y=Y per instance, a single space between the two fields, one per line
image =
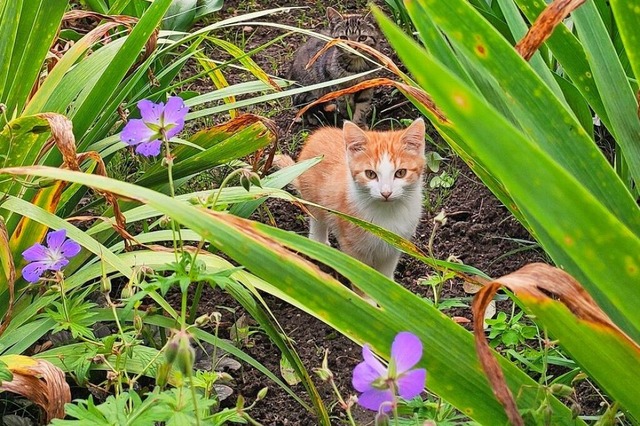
x=375 y=176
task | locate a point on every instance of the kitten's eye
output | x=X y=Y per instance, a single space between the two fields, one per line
x=343 y=37
x=370 y=174
x=400 y=173
x=362 y=38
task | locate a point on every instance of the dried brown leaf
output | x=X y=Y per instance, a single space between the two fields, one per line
x=381 y=57
x=544 y=25
x=415 y=92
x=39 y=381
x=107 y=23
x=62 y=137
x=120 y=225
x=489 y=363
x=9 y=271
x=539 y=282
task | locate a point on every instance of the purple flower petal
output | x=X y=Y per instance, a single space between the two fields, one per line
x=373 y=361
x=411 y=383
x=149 y=149
x=36 y=252
x=136 y=131
x=56 y=265
x=363 y=376
x=374 y=398
x=33 y=271
x=171 y=130
x=406 y=351
x=175 y=111
x=56 y=238
x=150 y=112
x=70 y=248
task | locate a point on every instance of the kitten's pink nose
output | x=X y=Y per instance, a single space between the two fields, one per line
x=386 y=194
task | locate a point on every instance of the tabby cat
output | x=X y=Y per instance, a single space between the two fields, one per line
x=336 y=63
x=375 y=176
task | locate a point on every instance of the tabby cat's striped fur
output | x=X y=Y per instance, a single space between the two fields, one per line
x=336 y=63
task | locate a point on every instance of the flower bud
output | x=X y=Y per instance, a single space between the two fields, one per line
x=105 y=285
x=382 y=419
x=215 y=317
x=225 y=377
x=324 y=373
x=240 y=403
x=255 y=179
x=262 y=394
x=165 y=222
x=202 y=320
x=561 y=390
x=137 y=323
x=441 y=218
x=186 y=358
x=185 y=355
x=171 y=351
x=127 y=291
x=245 y=181
x=162 y=375
x=351 y=401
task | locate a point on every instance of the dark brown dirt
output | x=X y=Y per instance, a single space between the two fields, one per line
x=479 y=231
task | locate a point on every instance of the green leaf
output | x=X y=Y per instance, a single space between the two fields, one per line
x=180 y=16
x=115 y=71
x=567 y=216
x=29 y=29
x=610 y=78
x=288 y=372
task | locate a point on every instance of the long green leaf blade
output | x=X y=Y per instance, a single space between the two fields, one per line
x=570 y=215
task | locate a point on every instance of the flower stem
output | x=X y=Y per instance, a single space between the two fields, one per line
x=169 y=160
x=224 y=183
x=347 y=408
x=196 y=300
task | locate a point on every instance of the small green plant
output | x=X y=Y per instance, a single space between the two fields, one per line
x=297 y=140
x=509 y=331
x=441 y=184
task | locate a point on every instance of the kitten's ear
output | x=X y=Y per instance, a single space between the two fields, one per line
x=333 y=15
x=354 y=137
x=413 y=136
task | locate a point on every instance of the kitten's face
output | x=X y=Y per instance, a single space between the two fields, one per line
x=352 y=27
x=386 y=166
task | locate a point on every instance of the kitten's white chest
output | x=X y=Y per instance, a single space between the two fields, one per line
x=400 y=217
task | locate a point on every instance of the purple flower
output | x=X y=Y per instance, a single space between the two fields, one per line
x=379 y=384
x=52 y=258
x=158 y=121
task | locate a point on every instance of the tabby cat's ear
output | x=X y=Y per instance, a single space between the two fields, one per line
x=413 y=136
x=333 y=15
x=354 y=137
